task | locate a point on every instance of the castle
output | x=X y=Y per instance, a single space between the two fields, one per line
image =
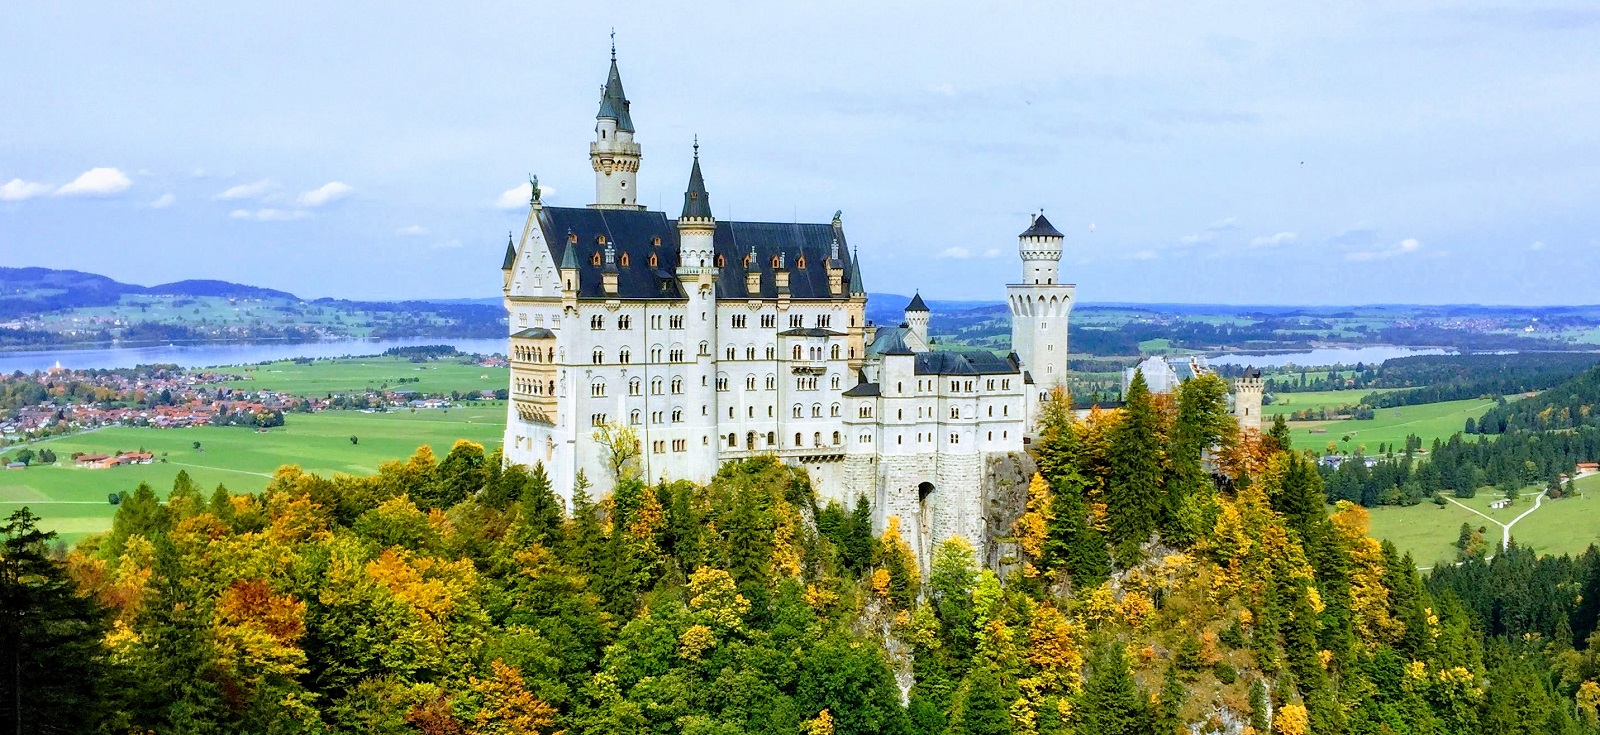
x=720 y=340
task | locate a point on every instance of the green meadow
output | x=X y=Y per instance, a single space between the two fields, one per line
x=1429 y=532
x=1388 y=426
x=72 y=500
x=342 y=375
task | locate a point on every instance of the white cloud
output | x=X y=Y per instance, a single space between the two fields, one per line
x=992 y=253
x=17 y=190
x=1281 y=238
x=1406 y=246
x=954 y=252
x=321 y=195
x=269 y=215
x=97 y=182
x=518 y=196
x=1537 y=245
x=166 y=200
x=248 y=191
x=1211 y=232
x=411 y=231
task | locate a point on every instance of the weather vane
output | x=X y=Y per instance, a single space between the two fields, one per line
x=696 y=145
x=613 y=43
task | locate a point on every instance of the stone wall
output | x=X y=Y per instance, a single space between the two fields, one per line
x=1005 y=499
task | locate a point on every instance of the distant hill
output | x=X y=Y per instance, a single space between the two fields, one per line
x=224 y=289
x=41 y=290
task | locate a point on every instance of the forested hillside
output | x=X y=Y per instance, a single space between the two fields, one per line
x=449 y=595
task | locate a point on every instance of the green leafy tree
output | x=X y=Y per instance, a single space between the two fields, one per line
x=1133 y=489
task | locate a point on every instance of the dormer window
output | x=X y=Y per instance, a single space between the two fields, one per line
x=656 y=241
x=746 y=262
x=721 y=261
x=775 y=261
x=594 y=259
x=572 y=237
x=600 y=239
x=800 y=262
x=654 y=261
x=623 y=261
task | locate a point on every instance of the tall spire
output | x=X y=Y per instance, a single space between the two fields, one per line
x=511 y=253
x=696 y=201
x=613 y=102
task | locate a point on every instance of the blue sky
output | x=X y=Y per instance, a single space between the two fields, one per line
x=1238 y=152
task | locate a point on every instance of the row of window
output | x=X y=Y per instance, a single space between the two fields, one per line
x=656 y=417
x=751 y=438
x=533 y=354
x=678 y=445
x=625 y=321
x=955 y=412
x=534 y=387
x=625 y=355
x=956 y=386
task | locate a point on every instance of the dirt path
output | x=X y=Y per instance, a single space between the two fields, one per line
x=1505 y=528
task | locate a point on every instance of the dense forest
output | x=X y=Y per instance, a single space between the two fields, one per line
x=1143 y=593
x=1434 y=378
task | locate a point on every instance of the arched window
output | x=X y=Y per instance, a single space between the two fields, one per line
x=597 y=322
x=775 y=265
x=552 y=387
x=705 y=349
x=655 y=386
x=633 y=387
x=623 y=261
x=796 y=352
x=750 y=383
x=816 y=439
x=733 y=441
x=834 y=382
x=721 y=261
x=677 y=415
x=750 y=353
x=676 y=355
x=798 y=410
x=677 y=386
x=797 y=440
x=772 y=382
x=597 y=389
x=834 y=352
x=835 y=410
x=733 y=354
x=594 y=259
x=772 y=352
x=633 y=417
x=772 y=438
x=836 y=438
x=625 y=356
x=599 y=356
x=800 y=262
x=816 y=411
x=624 y=322
x=550 y=355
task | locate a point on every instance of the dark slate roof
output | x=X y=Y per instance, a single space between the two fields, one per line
x=535 y=333
x=853 y=277
x=632 y=232
x=916 y=304
x=696 y=201
x=1041 y=228
x=511 y=254
x=889 y=341
x=613 y=103
x=861 y=390
x=734 y=240
x=964 y=363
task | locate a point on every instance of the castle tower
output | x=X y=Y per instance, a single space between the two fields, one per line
x=1247 y=399
x=613 y=153
x=1040 y=306
x=697 y=274
x=917 y=318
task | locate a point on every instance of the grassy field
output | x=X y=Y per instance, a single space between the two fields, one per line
x=1389 y=426
x=1429 y=531
x=322 y=377
x=72 y=501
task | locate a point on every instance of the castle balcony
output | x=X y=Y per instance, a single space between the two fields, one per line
x=539 y=409
x=811 y=455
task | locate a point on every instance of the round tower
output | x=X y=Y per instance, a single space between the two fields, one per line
x=613 y=153
x=1040 y=246
x=1247 y=392
x=917 y=314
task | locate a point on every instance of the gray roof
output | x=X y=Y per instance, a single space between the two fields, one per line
x=916 y=304
x=889 y=341
x=511 y=254
x=858 y=287
x=535 y=333
x=634 y=232
x=696 y=201
x=860 y=390
x=810 y=332
x=1041 y=227
x=613 y=103
x=964 y=363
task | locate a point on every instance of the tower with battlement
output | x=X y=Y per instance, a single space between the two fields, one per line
x=1040 y=306
x=1247 y=399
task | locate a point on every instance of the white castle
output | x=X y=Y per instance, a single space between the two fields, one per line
x=716 y=340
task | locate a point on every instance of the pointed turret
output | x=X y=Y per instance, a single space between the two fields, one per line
x=917 y=304
x=511 y=254
x=1041 y=227
x=696 y=201
x=917 y=314
x=857 y=286
x=613 y=102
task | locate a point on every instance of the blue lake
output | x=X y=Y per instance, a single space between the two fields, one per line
x=207 y=355
x=1326 y=356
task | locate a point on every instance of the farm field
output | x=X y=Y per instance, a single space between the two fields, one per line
x=72 y=501
x=1291 y=402
x=1389 y=426
x=321 y=377
x=1429 y=532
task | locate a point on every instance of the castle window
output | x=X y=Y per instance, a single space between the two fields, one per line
x=833 y=353
x=677 y=415
x=675 y=322
x=572 y=237
x=816 y=411
x=775 y=265
x=705 y=349
x=625 y=356
x=738 y=321
x=955 y=438
x=680 y=445
x=989 y=385
x=991 y=412
x=677 y=386
x=772 y=352
x=800 y=262
x=721 y=261
x=597 y=389
x=676 y=355
x=655 y=354
x=796 y=352
x=597 y=419
x=798 y=410
x=655 y=386
x=899 y=439
x=797 y=440
x=900 y=414
x=772 y=438
x=816 y=438
x=594 y=259
x=772 y=382
x=656 y=416
x=797 y=321
x=750 y=383
x=836 y=438
x=599 y=356
x=634 y=386
x=1005 y=384
x=750 y=353
x=864 y=439
x=901 y=388
x=769 y=321
x=624 y=322
x=722 y=387
x=955 y=412
x=834 y=410
x=733 y=353
x=633 y=417
x=746 y=262
x=656 y=241
x=824 y=320
x=623 y=261
x=1005 y=410
x=733 y=441
x=597 y=322
x=654 y=261
x=600 y=239
x=865 y=411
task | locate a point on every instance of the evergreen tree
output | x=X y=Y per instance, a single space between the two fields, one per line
x=1056 y=447
x=1072 y=543
x=1133 y=488
x=1280 y=433
x=983 y=708
x=1112 y=703
x=53 y=664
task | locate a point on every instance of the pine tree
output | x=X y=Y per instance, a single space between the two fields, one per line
x=1280 y=433
x=1072 y=543
x=982 y=709
x=1133 y=489
x=1112 y=703
x=1056 y=449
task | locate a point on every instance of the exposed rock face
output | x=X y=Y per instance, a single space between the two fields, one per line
x=1005 y=499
